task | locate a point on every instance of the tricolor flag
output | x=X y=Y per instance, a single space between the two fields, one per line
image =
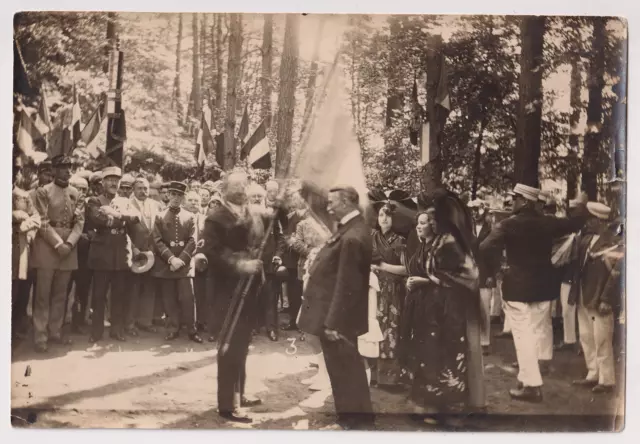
x=330 y=154
x=204 y=140
x=27 y=134
x=243 y=131
x=257 y=150
x=442 y=109
x=219 y=142
x=43 y=118
x=90 y=134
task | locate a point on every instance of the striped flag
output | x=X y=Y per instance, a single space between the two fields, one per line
x=76 y=117
x=27 y=134
x=219 y=143
x=204 y=140
x=43 y=118
x=91 y=131
x=243 y=131
x=257 y=150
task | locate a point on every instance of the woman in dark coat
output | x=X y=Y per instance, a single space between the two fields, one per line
x=388 y=260
x=442 y=285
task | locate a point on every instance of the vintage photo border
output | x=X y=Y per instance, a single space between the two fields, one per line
x=626 y=8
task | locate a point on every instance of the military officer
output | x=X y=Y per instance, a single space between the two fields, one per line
x=110 y=255
x=174 y=235
x=54 y=254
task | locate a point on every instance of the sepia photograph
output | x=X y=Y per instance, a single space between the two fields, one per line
x=329 y=222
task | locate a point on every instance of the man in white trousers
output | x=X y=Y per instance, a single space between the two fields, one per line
x=527 y=237
x=596 y=292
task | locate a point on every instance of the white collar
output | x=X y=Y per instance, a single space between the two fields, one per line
x=348 y=217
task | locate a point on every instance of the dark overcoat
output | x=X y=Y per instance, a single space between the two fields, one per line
x=336 y=295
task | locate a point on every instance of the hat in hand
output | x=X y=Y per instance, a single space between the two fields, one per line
x=599 y=210
x=143 y=262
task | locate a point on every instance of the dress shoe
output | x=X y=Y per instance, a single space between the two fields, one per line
x=250 y=401
x=272 y=335
x=195 y=338
x=94 y=339
x=41 y=348
x=235 y=417
x=291 y=327
x=148 y=328
x=132 y=332
x=603 y=388
x=60 y=341
x=585 y=383
x=118 y=337
x=528 y=394
x=212 y=338
x=171 y=336
x=504 y=334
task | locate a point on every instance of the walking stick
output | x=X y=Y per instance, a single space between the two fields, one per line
x=239 y=298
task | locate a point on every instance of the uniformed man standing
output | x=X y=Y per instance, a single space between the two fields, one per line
x=54 y=252
x=125 y=188
x=109 y=256
x=174 y=237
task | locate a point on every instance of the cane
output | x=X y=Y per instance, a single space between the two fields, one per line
x=233 y=314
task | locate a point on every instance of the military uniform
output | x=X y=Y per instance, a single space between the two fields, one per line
x=174 y=237
x=62 y=223
x=110 y=259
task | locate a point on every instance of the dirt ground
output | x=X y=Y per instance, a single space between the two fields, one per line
x=147 y=383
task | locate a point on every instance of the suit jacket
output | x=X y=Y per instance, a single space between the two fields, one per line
x=337 y=293
x=174 y=235
x=110 y=248
x=275 y=242
x=290 y=257
x=595 y=274
x=228 y=238
x=487 y=264
x=62 y=220
x=528 y=237
x=141 y=233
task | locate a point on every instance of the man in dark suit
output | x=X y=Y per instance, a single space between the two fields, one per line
x=174 y=234
x=528 y=237
x=231 y=239
x=290 y=259
x=335 y=307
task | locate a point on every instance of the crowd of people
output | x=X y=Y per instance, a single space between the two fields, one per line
x=401 y=294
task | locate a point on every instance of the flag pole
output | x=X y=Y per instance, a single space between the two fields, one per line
x=239 y=297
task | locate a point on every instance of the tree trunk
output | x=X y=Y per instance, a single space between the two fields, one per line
x=267 y=68
x=528 y=136
x=477 y=158
x=395 y=98
x=593 y=138
x=195 y=100
x=233 y=80
x=177 y=96
x=218 y=56
x=432 y=170
x=286 y=98
x=214 y=72
x=203 y=58
x=574 y=140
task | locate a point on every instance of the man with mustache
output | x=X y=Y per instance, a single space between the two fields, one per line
x=232 y=237
x=54 y=253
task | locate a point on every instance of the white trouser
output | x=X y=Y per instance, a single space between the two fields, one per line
x=496 y=302
x=528 y=323
x=596 y=337
x=568 y=315
x=506 y=328
x=543 y=328
x=486 y=295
